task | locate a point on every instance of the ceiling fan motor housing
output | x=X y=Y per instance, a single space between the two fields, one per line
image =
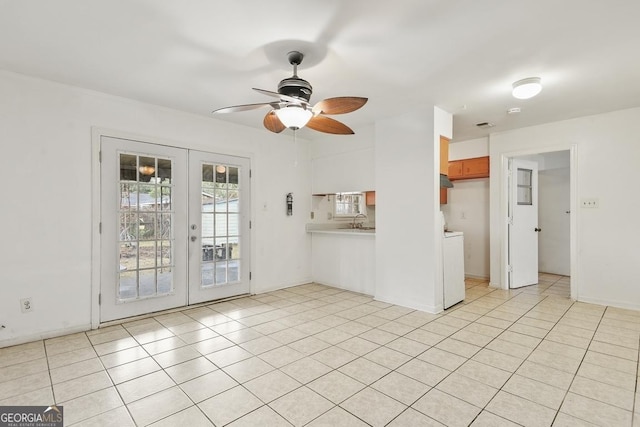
x=296 y=87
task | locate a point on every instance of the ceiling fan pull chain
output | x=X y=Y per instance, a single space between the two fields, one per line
x=295 y=148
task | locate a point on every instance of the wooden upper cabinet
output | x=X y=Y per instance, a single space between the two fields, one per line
x=454 y=171
x=444 y=165
x=477 y=167
x=370 y=197
x=444 y=154
x=443 y=195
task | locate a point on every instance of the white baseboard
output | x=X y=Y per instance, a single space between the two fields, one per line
x=272 y=288
x=629 y=305
x=474 y=276
x=44 y=335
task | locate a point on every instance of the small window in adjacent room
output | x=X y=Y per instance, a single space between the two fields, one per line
x=349 y=204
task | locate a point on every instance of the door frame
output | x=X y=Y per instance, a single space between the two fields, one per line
x=573 y=206
x=96 y=261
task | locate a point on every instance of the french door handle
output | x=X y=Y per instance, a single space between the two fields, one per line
x=537 y=230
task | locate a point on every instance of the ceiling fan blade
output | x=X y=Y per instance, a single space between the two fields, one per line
x=282 y=97
x=245 y=107
x=329 y=125
x=339 y=105
x=272 y=122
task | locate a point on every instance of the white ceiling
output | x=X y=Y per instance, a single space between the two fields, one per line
x=461 y=55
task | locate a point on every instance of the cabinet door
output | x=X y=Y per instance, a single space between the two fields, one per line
x=476 y=168
x=455 y=169
x=444 y=155
x=443 y=196
x=370 y=198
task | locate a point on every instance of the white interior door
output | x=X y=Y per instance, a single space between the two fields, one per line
x=219 y=223
x=523 y=223
x=174 y=227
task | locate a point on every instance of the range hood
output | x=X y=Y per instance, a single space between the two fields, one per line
x=444 y=181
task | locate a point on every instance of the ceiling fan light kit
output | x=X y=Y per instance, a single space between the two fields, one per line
x=527 y=88
x=294 y=116
x=293 y=111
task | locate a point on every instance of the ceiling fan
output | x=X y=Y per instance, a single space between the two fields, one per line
x=292 y=109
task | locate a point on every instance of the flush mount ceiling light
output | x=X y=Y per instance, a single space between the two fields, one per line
x=527 y=88
x=294 y=116
x=221 y=169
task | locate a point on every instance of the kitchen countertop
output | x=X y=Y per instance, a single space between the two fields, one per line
x=450 y=233
x=344 y=231
x=331 y=229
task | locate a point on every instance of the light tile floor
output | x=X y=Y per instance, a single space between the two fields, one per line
x=320 y=356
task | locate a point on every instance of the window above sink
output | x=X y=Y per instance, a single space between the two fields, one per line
x=349 y=204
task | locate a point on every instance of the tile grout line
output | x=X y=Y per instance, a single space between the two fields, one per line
x=636 y=403
x=484 y=408
x=46 y=357
x=470 y=358
x=578 y=368
x=378 y=327
x=110 y=380
x=384 y=345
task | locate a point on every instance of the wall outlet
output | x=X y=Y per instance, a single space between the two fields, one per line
x=329 y=215
x=26 y=305
x=590 y=203
x=313 y=214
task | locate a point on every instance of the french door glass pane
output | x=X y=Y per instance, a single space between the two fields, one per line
x=146 y=227
x=220 y=231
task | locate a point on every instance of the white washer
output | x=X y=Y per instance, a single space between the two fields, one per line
x=453 y=267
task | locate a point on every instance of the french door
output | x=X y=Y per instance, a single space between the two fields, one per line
x=174 y=227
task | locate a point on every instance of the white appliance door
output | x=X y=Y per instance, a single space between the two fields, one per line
x=453 y=269
x=523 y=227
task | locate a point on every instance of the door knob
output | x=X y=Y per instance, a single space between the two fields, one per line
x=537 y=230
x=194 y=238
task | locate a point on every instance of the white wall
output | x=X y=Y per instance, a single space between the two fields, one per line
x=46 y=215
x=607 y=150
x=408 y=240
x=553 y=219
x=469 y=149
x=467 y=209
x=343 y=163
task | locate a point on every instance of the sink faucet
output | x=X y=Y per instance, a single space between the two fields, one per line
x=358 y=225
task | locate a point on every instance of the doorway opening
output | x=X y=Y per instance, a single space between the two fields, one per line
x=540 y=229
